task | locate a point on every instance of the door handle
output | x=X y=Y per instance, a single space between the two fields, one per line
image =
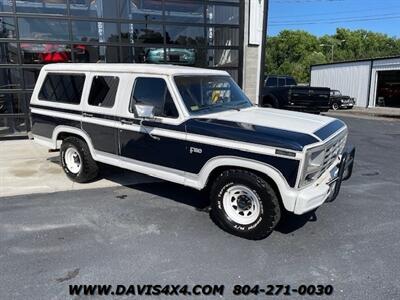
x=148 y=132
x=126 y=122
x=87 y=115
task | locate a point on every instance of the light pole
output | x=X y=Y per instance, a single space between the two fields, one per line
x=333 y=47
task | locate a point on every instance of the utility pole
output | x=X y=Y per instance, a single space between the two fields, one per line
x=332 y=48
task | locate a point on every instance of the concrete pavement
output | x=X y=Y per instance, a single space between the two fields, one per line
x=157 y=234
x=386 y=113
x=28 y=168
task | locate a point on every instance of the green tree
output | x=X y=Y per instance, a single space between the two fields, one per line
x=292 y=52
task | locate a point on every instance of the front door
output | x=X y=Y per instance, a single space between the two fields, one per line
x=158 y=142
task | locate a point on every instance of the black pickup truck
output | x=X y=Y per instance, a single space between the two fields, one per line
x=283 y=92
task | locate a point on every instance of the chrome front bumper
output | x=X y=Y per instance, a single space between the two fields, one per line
x=327 y=188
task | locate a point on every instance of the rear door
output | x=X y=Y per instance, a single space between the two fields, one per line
x=99 y=111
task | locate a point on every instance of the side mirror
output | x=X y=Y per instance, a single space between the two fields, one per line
x=144 y=111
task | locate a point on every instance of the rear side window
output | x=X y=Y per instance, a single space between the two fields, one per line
x=271 y=82
x=62 y=88
x=290 y=81
x=154 y=92
x=103 y=91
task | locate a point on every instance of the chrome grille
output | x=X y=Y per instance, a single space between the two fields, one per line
x=332 y=150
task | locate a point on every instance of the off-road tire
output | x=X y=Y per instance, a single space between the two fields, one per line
x=270 y=102
x=89 y=169
x=270 y=212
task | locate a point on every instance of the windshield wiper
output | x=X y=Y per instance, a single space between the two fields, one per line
x=221 y=105
x=208 y=107
x=236 y=107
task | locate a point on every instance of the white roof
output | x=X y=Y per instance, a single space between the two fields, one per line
x=133 y=68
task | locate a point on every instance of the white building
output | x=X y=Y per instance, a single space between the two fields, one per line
x=372 y=82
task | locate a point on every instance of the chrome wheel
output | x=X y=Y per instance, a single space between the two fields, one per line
x=73 y=160
x=241 y=204
x=335 y=106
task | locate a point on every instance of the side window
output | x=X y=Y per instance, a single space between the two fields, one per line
x=281 y=82
x=271 y=82
x=62 y=88
x=290 y=81
x=154 y=92
x=103 y=91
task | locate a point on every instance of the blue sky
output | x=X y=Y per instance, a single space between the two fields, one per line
x=321 y=17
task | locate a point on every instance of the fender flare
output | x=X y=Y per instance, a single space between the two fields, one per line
x=68 y=129
x=287 y=193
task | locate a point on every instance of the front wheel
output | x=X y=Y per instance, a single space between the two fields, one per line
x=244 y=204
x=335 y=106
x=77 y=161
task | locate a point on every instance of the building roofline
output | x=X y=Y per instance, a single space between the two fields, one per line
x=356 y=60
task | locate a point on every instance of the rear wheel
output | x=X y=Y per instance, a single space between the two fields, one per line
x=77 y=161
x=244 y=204
x=270 y=102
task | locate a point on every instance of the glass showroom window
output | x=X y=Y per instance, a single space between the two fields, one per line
x=183 y=32
x=222 y=14
x=6 y=6
x=142 y=33
x=86 y=31
x=12 y=104
x=183 y=11
x=33 y=53
x=43 y=29
x=14 y=117
x=184 y=56
x=94 y=8
x=10 y=78
x=94 y=54
x=30 y=75
x=148 y=11
x=223 y=36
x=133 y=54
x=185 y=35
x=7 y=28
x=223 y=58
x=54 y=7
x=8 y=53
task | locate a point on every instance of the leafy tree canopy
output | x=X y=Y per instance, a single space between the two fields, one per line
x=292 y=52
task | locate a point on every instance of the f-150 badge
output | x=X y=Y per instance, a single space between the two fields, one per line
x=195 y=150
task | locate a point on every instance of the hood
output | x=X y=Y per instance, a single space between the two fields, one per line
x=276 y=118
x=273 y=127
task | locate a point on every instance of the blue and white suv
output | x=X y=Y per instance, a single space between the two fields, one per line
x=194 y=127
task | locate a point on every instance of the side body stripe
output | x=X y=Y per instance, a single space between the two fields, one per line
x=213 y=138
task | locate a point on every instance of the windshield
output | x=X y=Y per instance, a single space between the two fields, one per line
x=209 y=94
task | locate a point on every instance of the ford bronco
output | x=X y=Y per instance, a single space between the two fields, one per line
x=194 y=127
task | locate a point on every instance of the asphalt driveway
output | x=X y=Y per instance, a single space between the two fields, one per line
x=158 y=233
